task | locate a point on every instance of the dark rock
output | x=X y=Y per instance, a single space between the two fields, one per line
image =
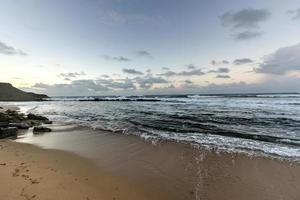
x=32 y=123
x=41 y=129
x=47 y=122
x=8 y=132
x=3 y=124
x=19 y=125
x=36 y=117
x=4 y=117
x=36 y=120
x=12 y=117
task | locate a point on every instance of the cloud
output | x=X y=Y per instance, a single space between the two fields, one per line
x=145 y=86
x=295 y=14
x=242 y=61
x=246 y=35
x=168 y=74
x=111 y=17
x=78 y=87
x=17 y=78
x=144 y=53
x=191 y=66
x=119 y=84
x=286 y=84
x=220 y=70
x=116 y=58
x=70 y=75
x=9 y=50
x=147 y=82
x=188 y=82
x=84 y=87
x=41 y=85
x=91 y=85
x=245 y=23
x=222 y=76
x=246 y=18
x=283 y=60
x=104 y=76
x=132 y=71
x=194 y=72
x=165 y=68
x=223 y=62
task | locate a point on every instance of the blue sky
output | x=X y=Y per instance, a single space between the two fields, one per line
x=92 y=47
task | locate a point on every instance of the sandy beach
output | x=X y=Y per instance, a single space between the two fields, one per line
x=28 y=172
x=149 y=100
x=126 y=167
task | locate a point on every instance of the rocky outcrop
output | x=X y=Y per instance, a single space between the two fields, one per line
x=11 y=121
x=8 y=132
x=20 y=125
x=10 y=93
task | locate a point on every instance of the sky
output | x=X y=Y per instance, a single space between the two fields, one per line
x=135 y=47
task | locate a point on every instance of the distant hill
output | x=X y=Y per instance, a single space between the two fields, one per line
x=10 y=93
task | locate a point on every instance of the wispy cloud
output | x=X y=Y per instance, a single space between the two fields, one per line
x=132 y=71
x=245 y=23
x=246 y=35
x=116 y=58
x=147 y=82
x=195 y=72
x=9 y=50
x=295 y=14
x=223 y=62
x=112 y=17
x=68 y=76
x=242 y=61
x=220 y=70
x=223 y=76
x=144 y=53
x=188 y=82
x=191 y=66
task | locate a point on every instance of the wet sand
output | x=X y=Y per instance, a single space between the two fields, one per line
x=162 y=171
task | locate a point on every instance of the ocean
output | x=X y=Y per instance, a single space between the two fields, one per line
x=267 y=124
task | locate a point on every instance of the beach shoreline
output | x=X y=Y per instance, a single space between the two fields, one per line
x=77 y=162
x=165 y=170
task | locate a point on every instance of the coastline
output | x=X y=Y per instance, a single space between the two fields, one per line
x=75 y=162
x=169 y=170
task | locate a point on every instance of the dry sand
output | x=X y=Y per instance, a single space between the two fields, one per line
x=28 y=172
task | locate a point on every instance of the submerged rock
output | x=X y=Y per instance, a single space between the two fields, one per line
x=41 y=129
